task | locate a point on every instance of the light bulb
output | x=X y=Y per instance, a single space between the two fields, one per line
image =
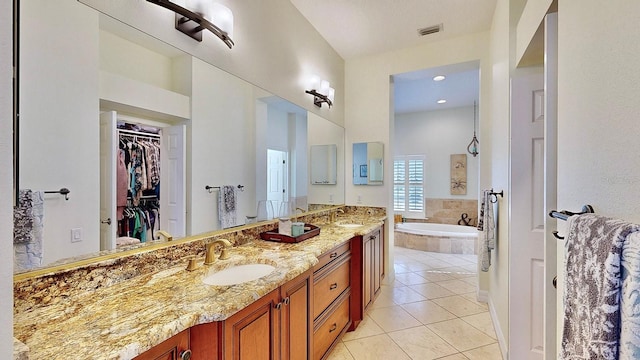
x=222 y=17
x=324 y=87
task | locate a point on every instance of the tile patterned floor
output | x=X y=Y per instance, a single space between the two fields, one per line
x=429 y=312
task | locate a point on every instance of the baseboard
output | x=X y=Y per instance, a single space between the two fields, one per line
x=482 y=296
x=502 y=342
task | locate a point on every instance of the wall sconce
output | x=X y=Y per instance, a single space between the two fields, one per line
x=322 y=91
x=203 y=16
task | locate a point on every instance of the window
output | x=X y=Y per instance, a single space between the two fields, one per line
x=408 y=185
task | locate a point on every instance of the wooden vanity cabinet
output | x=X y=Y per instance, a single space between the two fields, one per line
x=296 y=318
x=367 y=271
x=170 y=349
x=273 y=328
x=253 y=332
x=331 y=299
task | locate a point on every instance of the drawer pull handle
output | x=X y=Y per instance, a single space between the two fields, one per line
x=286 y=300
x=278 y=306
x=333 y=255
x=185 y=355
x=333 y=327
x=333 y=286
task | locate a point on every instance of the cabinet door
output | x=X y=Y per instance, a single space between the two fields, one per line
x=296 y=319
x=376 y=263
x=253 y=333
x=367 y=281
x=170 y=349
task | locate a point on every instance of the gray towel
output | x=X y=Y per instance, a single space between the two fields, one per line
x=629 y=299
x=227 y=204
x=486 y=224
x=28 y=230
x=23 y=218
x=592 y=286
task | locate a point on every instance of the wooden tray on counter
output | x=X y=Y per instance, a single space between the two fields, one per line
x=275 y=236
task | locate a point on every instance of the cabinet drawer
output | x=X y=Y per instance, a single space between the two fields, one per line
x=331 y=255
x=331 y=328
x=328 y=288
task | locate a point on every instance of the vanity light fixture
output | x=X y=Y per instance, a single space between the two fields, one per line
x=203 y=16
x=322 y=91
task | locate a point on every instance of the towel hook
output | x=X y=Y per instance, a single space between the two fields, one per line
x=495 y=196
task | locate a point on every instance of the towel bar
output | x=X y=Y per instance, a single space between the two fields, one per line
x=63 y=191
x=564 y=215
x=210 y=188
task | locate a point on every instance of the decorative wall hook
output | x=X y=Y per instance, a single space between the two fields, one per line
x=495 y=195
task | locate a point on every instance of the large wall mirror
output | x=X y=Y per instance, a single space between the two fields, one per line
x=88 y=97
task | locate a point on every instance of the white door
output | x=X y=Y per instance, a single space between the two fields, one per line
x=550 y=182
x=108 y=151
x=526 y=258
x=173 y=180
x=276 y=178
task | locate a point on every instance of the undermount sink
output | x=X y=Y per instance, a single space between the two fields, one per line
x=350 y=225
x=238 y=274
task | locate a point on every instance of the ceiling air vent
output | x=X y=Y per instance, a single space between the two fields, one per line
x=430 y=30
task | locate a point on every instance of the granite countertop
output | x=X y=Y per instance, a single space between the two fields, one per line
x=126 y=319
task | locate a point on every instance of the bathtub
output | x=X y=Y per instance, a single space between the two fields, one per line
x=444 y=238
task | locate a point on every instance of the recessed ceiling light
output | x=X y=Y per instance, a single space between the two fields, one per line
x=438 y=78
x=442 y=101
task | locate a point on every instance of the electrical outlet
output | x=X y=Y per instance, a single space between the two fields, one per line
x=76 y=235
x=359 y=201
x=330 y=198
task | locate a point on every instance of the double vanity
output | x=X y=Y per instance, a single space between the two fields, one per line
x=269 y=300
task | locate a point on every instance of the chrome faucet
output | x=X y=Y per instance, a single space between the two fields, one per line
x=210 y=256
x=164 y=234
x=301 y=210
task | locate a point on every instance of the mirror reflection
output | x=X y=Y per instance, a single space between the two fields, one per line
x=368 y=160
x=149 y=138
x=324 y=164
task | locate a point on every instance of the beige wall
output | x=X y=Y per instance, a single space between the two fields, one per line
x=6 y=217
x=498 y=275
x=449 y=211
x=276 y=47
x=599 y=88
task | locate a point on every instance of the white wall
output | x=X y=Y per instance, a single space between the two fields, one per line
x=59 y=101
x=6 y=180
x=498 y=276
x=437 y=135
x=598 y=92
x=271 y=53
x=323 y=132
x=121 y=56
